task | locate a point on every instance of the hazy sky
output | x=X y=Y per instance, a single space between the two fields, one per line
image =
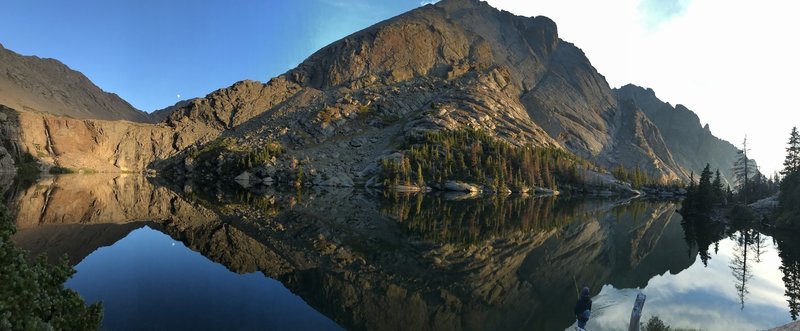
x=735 y=63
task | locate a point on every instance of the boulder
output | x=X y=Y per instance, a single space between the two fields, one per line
x=456 y=196
x=339 y=180
x=405 y=188
x=545 y=191
x=458 y=186
x=246 y=179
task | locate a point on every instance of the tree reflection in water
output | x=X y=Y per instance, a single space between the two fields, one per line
x=750 y=246
x=447 y=219
x=789 y=252
x=741 y=271
x=699 y=234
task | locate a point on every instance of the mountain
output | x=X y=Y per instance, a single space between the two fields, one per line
x=684 y=135
x=459 y=63
x=47 y=86
x=453 y=65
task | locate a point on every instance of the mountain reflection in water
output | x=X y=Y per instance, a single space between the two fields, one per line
x=370 y=260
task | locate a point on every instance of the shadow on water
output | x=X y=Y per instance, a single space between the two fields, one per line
x=370 y=260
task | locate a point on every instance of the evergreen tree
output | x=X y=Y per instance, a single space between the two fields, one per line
x=701 y=197
x=690 y=201
x=789 y=198
x=705 y=192
x=32 y=294
x=792 y=162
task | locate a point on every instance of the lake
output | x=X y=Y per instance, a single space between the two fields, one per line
x=178 y=256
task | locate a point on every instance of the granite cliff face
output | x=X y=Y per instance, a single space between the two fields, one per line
x=456 y=64
x=684 y=135
x=32 y=84
x=90 y=145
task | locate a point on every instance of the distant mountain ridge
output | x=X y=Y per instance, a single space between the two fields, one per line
x=33 y=84
x=456 y=64
x=691 y=144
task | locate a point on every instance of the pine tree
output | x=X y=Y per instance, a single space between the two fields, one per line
x=792 y=163
x=690 y=201
x=705 y=191
x=789 y=198
x=719 y=191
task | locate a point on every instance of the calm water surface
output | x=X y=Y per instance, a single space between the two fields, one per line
x=188 y=257
x=149 y=281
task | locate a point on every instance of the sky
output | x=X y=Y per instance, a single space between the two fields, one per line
x=733 y=62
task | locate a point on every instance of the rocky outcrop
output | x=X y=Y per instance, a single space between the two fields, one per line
x=46 y=86
x=90 y=145
x=160 y=115
x=639 y=144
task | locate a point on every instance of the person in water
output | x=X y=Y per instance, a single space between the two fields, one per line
x=583 y=308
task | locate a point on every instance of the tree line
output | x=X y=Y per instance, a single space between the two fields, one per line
x=476 y=157
x=709 y=191
x=789 y=198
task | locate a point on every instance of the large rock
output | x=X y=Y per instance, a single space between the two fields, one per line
x=339 y=180
x=457 y=186
x=246 y=179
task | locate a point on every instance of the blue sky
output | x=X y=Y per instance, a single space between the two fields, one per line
x=151 y=51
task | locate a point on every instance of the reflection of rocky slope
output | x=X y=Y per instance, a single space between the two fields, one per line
x=347 y=258
x=96 y=199
x=75 y=240
x=75 y=214
x=366 y=275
